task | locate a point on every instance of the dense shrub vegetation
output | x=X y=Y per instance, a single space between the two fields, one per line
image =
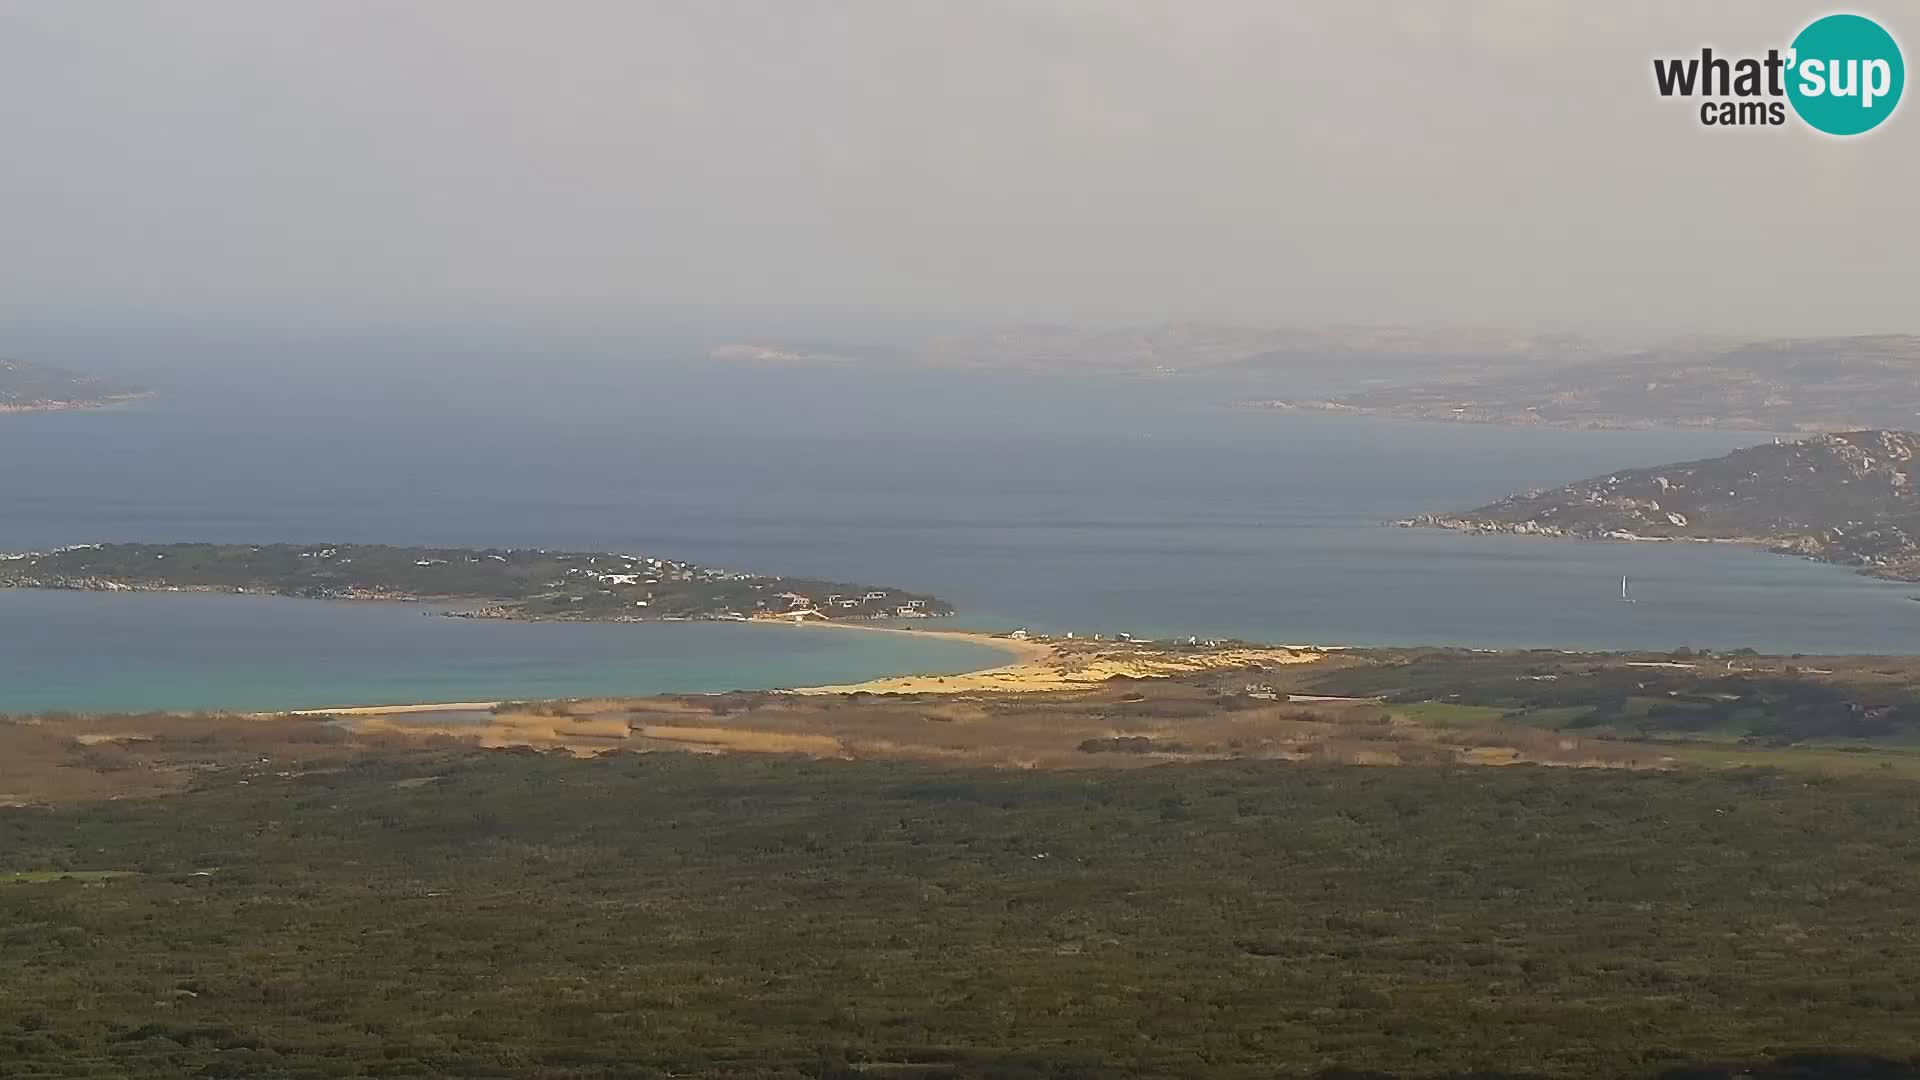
x=512 y=914
x=1768 y=700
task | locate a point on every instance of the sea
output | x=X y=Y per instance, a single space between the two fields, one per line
x=1072 y=503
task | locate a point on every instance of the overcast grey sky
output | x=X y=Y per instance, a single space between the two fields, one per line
x=1258 y=161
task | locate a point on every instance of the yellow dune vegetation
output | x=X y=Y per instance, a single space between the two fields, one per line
x=1075 y=665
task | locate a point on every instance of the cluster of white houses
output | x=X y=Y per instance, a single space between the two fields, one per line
x=634 y=570
x=875 y=603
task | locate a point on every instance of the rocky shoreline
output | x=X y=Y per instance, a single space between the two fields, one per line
x=1810 y=548
x=1847 y=499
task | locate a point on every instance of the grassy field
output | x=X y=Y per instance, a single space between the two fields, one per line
x=507 y=913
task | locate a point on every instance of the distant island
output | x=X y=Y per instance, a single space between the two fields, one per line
x=1796 y=384
x=1485 y=375
x=28 y=387
x=1845 y=498
x=501 y=583
x=1179 y=349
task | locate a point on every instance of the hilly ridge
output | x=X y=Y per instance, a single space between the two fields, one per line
x=1848 y=498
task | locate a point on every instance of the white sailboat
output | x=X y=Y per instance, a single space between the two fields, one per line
x=1624 y=598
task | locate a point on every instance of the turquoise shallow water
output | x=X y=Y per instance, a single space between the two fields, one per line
x=130 y=652
x=1072 y=504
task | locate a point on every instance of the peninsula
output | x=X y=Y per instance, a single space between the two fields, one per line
x=503 y=583
x=1483 y=375
x=28 y=387
x=1781 y=384
x=1846 y=498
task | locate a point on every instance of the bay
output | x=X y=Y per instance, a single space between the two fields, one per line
x=1143 y=506
x=132 y=652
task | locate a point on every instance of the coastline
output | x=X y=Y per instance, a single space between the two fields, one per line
x=1033 y=667
x=1028 y=657
x=1467 y=527
x=384 y=710
x=1600 y=422
x=858 y=719
x=1533 y=531
x=1022 y=650
x=1051 y=665
x=519 y=585
x=435 y=605
x=77 y=405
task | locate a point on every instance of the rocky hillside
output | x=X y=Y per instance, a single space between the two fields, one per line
x=1846 y=498
x=28 y=387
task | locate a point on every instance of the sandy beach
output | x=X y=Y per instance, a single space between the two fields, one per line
x=1002 y=715
x=1029 y=658
x=1072 y=664
x=1033 y=667
x=377 y=710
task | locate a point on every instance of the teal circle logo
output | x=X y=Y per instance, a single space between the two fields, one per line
x=1845 y=74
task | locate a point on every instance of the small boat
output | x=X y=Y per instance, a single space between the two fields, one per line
x=1624 y=597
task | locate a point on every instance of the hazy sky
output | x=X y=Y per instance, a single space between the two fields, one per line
x=1091 y=160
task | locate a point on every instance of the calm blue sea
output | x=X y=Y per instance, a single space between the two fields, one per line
x=1058 y=504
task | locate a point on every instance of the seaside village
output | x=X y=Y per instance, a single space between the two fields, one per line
x=788 y=605
x=872 y=604
x=613 y=575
